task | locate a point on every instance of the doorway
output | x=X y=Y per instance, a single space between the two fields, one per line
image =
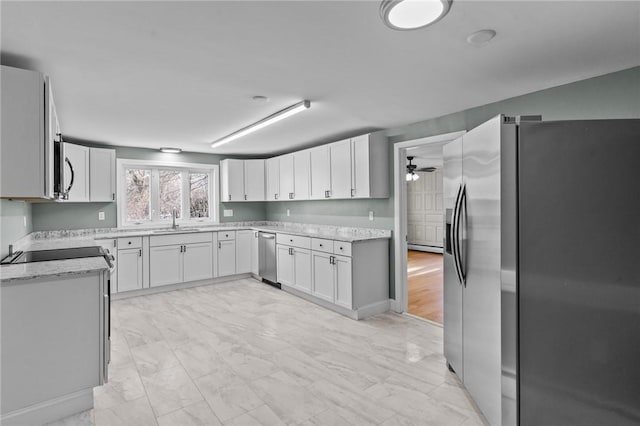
x=419 y=221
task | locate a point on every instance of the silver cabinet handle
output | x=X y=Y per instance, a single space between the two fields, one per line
x=229 y=197
x=290 y=251
x=219 y=245
x=353 y=191
x=140 y=253
x=275 y=196
x=113 y=196
x=245 y=197
x=321 y=245
x=185 y=249
x=115 y=243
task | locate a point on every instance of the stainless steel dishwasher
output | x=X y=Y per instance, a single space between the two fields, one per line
x=267 y=256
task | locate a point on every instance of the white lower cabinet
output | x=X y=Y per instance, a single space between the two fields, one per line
x=166 y=265
x=343 y=281
x=129 y=269
x=323 y=276
x=243 y=251
x=284 y=264
x=226 y=257
x=180 y=258
x=302 y=269
x=197 y=261
x=255 y=253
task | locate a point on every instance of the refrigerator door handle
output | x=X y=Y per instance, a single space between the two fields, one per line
x=454 y=234
x=460 y=236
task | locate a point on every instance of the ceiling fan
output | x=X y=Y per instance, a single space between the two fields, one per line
x=412 y=169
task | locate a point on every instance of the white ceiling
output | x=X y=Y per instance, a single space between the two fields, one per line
x=153 y=74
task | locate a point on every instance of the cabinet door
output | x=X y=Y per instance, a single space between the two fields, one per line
x=76 y=166
x=197 y=261
x=165 y=265
x=284 y=265
x=340 y=155
x=102 y=174
x=52 y=129
x=273 y=178
x=254 y=180
x=286 y=177
x=129 y=269
x=226 y=258
x=360 y=166
x=233 y=182
x=342 y=266
x=323 y=276
x=320 y=172
x=243 y=251
x=255 y=253
x=302 y=269
x=302 y=175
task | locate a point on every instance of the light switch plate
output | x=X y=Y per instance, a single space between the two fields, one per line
x=371 y=215
x=228 y=212
x=100 y=215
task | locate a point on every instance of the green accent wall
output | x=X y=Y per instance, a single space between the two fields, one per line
x=51 y=215
x=15 y=223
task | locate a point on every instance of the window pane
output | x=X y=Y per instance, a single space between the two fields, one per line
x=138 y=190
x=170 y=193
x=199 y=194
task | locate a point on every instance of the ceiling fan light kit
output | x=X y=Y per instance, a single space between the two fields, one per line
x=404 y=15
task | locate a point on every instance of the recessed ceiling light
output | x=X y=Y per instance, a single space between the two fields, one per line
x=413 y=14
x=171 y=150
x=260 y=98
x=482 y=37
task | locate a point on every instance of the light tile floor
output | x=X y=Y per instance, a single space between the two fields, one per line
x=244 y=353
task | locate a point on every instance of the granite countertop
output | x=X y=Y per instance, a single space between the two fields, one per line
x=27 y=271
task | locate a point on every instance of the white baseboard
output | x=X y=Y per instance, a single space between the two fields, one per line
x=372 y=309
x=428 y=249
x=179 y=286
x=50 y=410
x=394 y=306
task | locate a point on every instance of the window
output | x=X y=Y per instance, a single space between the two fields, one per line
x=150 y=192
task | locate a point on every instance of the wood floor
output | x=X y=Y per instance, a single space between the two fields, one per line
x=425 y=285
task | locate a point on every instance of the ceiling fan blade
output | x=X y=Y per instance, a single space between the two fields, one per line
x=426 y=169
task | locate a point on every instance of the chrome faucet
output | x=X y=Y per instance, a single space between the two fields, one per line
x=174 y=214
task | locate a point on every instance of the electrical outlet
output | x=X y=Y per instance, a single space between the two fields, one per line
x=100 y=215
x=228 y=212
x=371 y=215
x=288 y=212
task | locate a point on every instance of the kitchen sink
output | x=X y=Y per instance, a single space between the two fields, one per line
x=179 y=230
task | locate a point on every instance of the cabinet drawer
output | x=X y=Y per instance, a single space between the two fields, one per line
x=226 y=235
x=342 y=247
x=176 y=239
x=127 y=243
x=293 y=240
x=319 y=244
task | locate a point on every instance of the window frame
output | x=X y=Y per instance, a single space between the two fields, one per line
x=154 y=197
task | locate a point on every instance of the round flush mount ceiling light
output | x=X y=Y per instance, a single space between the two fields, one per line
x=413 y=14
x=260 y=99
x=480 y=38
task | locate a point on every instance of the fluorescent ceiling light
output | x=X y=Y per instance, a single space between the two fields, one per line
x=171 y=150
x=273 y=118
x=413 y=14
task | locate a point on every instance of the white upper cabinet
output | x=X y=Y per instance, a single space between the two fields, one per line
x=302 y=174
x=320 y=172
x=254 y=180
x=352 y=168
x=75 y=176
x=340 y=159
x=232 y=180
x=102 y=174
x=273 y=178
x=287 y=190
x=27 y=148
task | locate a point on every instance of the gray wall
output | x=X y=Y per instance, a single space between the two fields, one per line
x=15 y=222
x=50 y=216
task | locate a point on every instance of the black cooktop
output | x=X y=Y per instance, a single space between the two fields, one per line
x=56 y=254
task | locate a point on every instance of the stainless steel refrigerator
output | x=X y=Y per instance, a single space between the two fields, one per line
x=542 y=270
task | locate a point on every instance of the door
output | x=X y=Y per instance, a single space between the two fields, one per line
x=360 y=167
x=286 y=177
x=102 y=174
x=452 y=291
x=273 y=178
x=285 y=265
x=579 y=280
x=165 y=265
x=255 y=253
x=320 y=172
x=323 y=275
x=254 y=180
x=76 y=171
x=129 y=269
x=302 y=269
x=344 y=296
x=243 y=251
x=197 y=261
x=226 y=258
x=302 y=175
x=340 y=159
